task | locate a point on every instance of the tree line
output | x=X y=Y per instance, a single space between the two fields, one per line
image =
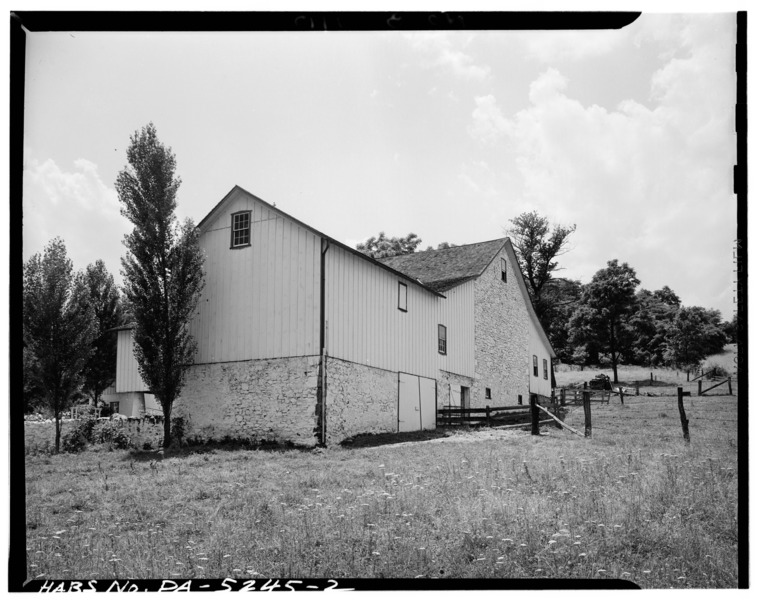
x=608 y=321
x=69 y=348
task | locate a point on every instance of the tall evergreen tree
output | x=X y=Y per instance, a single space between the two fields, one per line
x=100 y=371
x=163 y=269
x=59 y=325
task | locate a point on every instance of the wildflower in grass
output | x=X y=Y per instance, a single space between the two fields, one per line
x=601 y=570
x=582 y=555
x=646 y=572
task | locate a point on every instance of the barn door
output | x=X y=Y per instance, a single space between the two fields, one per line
x=408 y=403
x=455 y=396
x=428 y=399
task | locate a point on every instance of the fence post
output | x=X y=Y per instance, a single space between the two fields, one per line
x=651 y=377
x=729 y=383
x=621 y=394
x=637 y=390
x=488 y=414
x=699 y=387
x=563 y=396
x=688 y=374
x=587 y=415
x=520 y=401
x=535 y=414
x=682 y=415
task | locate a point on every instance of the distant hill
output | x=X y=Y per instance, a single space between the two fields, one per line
x=725 y=359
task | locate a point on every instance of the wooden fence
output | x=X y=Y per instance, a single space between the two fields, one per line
x=497 y=416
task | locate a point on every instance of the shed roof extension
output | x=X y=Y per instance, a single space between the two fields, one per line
x=442 y=270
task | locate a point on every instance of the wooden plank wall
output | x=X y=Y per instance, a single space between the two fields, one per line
x=261 y=301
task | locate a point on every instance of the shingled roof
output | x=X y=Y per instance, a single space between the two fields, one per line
x=442 y=270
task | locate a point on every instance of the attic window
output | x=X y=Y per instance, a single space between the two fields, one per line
x=487 y=394
x=442 y=339
x=402 y=296
x=534 y=365
x=544 y=368
x=241 y=229
x=503 y=272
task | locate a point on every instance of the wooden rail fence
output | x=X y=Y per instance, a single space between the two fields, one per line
x=493 y=416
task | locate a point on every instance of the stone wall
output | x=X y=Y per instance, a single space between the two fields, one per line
x=501 y=330
x=359 y=399
x=39 y=436
x=271 y=399
x=447 y=380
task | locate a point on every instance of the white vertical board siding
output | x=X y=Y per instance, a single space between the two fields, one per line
x=364 y=323
x=262 y=300
x=128 y=378
x=456 y=312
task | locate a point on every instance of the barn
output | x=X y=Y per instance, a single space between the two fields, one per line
x=304 y=339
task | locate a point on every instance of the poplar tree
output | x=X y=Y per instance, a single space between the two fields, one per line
x=163 y=269
x=59 y=325
x=100 y=371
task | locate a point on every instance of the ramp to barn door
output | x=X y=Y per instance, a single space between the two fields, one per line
x=416 y=402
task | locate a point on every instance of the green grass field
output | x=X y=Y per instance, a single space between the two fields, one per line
x=632 y=502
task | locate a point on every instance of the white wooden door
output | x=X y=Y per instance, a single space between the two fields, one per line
x=455 y=396
x=428 y=400
x=408 y=403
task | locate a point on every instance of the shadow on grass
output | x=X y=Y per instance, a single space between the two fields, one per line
x=192 y=449
x=382 y=439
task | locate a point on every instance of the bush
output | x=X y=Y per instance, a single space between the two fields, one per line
x=114 y=436
x=79 y=437
x=714 y=371
x=178 y=429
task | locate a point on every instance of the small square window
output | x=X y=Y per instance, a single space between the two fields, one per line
x=544 y=368
x=402 y=296
x=241 y=229
x=503 y=270
x=114 y=407
x=442 y=339
x=534 y=366
x=487 y=394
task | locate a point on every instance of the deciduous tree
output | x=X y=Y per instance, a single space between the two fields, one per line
x=602 y=317
x=537 y=247
x=163 y=269
x=59 y=325
x=383 y=246
x=100 y=371
x=694 y=334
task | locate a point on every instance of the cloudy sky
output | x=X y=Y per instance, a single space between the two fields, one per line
x=628 y=134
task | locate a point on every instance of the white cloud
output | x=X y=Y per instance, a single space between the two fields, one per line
x=647 y=186
x=76 y=206
x=489 y=124
x=437 y=50
x=554 y=46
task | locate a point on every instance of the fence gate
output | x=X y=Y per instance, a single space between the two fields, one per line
x=416 y=403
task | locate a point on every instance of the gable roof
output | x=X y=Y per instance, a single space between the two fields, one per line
x=208 y=219
x=444 y=269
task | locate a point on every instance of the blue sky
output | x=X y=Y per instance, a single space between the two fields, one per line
x=628 y=134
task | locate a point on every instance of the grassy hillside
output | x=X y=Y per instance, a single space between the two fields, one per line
x=632 y=502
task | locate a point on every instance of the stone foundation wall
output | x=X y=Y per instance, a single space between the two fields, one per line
x=445 y=381
x=501 y=329
x=359 y=399
x=271 y=399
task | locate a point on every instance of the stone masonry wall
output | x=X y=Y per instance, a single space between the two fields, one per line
x=501 y=338
x=359 y=399
x=445 y=381
x=271 y=399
